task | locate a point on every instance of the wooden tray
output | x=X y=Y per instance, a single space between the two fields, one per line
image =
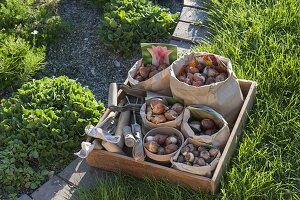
x=115 y=162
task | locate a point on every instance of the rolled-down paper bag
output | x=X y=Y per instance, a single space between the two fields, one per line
x=159 y=83
x=225 y=96
x=199 y=112
x=155 y=63
x=148 y=125
x=205 y=170
x=100 y=133
x=87 y=148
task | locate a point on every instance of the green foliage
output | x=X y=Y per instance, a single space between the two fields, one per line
x=21 y=17
x=98 y=3
x=18 y=61
x=40 y=126
x=127 y=23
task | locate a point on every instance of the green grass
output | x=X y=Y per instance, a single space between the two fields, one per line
x=263 y=42
x=126 y=187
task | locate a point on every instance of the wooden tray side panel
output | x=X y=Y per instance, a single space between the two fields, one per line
x=115 y=162
x=245 y=87
x=235 y=133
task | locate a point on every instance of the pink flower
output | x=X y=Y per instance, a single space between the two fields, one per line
x=159 y=55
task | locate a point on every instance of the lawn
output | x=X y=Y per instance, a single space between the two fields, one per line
x=263 y=42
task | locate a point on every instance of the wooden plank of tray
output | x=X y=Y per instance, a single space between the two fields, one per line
x=115 y=162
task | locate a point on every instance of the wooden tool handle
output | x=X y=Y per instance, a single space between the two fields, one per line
x=122 y=122
x=113 y=95
x=128 y=137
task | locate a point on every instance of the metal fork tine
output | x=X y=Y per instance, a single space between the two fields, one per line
x=127 y=99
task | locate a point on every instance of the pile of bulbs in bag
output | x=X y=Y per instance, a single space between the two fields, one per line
x=184 y=120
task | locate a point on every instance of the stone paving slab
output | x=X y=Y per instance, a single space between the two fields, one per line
x=189 y=14
x=79 y=173
x=182 y=46
x=195 y=3
x=24 y=197
x=190 y=33
x=54 y=189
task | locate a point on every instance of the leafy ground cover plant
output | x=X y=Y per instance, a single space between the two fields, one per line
x=98 y=3
x=262 y=40
x=41 y=126
x=127 y=23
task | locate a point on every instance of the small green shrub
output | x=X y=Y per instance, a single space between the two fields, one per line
x=127 y=23
x=41 y=125
x=21 y=17
x=98 y=3
x=18 y=61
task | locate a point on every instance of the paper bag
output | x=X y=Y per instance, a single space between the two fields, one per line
x=202 y=170
x=159 y=83
x=198 y=112
x=148 y=125
x=155 y=54
x=225 y=97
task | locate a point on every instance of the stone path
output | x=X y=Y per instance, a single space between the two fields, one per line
x=190 y=29
x=63 y=185
x=188 y=32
